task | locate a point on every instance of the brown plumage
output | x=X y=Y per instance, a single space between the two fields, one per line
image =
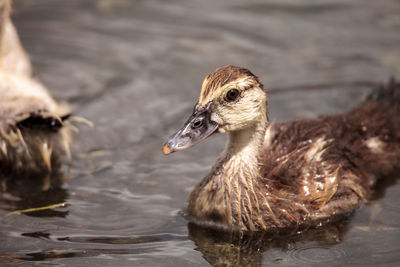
x=33 y=127
x=287 y=174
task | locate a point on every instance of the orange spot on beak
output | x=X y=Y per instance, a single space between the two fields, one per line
x=166 y=150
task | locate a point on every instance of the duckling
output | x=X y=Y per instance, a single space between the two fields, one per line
x=273 y=176
x=34 y=129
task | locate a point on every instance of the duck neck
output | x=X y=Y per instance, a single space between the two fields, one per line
x=236 y=175
x=243 y=149
x=229 y=192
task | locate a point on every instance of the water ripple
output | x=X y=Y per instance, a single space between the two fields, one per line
x=316 y=254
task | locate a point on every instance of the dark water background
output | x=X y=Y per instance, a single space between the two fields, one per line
x=135 y=69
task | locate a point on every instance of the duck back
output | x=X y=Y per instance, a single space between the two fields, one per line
x=330 y=164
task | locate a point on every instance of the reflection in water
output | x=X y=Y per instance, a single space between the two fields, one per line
x=237 y=249
x=217 y=247
x=136 y=246
x=26 y=192
x=113 y=240
x=56 y=254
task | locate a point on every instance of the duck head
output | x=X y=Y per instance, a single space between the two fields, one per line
x=231 y=99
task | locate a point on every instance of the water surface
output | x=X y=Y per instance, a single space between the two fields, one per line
x=135 y=69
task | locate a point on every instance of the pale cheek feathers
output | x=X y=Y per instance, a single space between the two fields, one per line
x=246 y=111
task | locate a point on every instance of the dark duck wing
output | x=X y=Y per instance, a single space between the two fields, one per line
x=326 y=166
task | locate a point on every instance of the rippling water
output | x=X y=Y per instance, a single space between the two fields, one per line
x=135 y=68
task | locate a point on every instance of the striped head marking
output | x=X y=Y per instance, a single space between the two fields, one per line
x=217 y=82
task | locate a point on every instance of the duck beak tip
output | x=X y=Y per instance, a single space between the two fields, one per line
x=166 y=149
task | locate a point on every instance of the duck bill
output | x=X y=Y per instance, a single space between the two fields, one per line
x=197 y=128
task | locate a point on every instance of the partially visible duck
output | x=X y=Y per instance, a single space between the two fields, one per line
x=33 y=127
x=281 y=175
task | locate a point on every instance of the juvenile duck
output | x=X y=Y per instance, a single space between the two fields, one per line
x=286 y=174
x=33 y=127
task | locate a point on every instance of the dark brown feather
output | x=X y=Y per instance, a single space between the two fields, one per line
x=286 y=170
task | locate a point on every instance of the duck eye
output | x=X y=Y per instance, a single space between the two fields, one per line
x=198 y=123
x=232 y=95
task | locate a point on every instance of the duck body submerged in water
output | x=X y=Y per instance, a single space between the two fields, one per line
x=282 y=175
